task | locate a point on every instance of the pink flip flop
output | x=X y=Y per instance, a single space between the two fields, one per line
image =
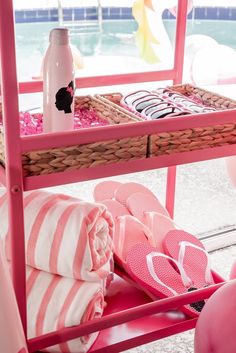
x=191 y=255
x=159 y=225
x=140 y=203
x=154 y=272
x=124 y=191
x=139 y=200
x=115 y=208
x=128 y=231
x=150 y=212
x=105 y=190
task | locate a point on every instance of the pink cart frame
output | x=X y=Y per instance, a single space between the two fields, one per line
x=12 y=177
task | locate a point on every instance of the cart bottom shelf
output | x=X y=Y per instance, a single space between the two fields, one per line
x=122 y=296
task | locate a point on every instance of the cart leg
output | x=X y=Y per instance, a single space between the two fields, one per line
x=16 y=237
x=11 y=334
x=170 y=190
x=13 y=168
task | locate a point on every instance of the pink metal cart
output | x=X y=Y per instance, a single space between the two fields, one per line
x=130 y=319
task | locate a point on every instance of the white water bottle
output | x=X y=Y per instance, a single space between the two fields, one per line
x=58 y=83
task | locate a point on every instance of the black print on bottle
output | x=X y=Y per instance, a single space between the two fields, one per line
x=64 y=98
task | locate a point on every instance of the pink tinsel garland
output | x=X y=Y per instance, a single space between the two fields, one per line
x=31 y=124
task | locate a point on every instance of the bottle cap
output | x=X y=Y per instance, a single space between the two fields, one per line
x=59 y=36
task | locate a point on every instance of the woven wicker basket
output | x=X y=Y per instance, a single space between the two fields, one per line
x=188 y=139
x=200 y=137
x=66 y=158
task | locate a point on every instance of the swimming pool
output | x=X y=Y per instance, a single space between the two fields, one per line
x=116 y=39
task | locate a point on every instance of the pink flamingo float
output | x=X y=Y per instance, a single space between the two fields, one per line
x=206 y=61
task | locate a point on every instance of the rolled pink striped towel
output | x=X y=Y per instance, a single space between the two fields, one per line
x=55 y=302
x=64 y=235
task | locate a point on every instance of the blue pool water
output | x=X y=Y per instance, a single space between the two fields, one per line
x=115 y=39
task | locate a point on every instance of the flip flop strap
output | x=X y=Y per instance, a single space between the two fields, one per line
x=150 y=217
x=182 y=251
x=121 y=220
x=185 y=279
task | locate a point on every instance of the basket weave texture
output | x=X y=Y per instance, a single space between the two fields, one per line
x=67 y=158
x=200 y=137
x=188 y=139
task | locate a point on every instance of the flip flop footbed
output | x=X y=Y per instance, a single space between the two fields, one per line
x=105 y=190
x=115 y=208
x=139 y=204
x=177 y=244
x=127 y=230
x=125 y=190
x=159 y=226
x=151 y=213
x=156 y=274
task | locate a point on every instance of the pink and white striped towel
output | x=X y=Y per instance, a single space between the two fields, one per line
x=64 y=235
x=55 y=302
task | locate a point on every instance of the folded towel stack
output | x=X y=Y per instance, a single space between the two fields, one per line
x=55 y=302
x=68 y=246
